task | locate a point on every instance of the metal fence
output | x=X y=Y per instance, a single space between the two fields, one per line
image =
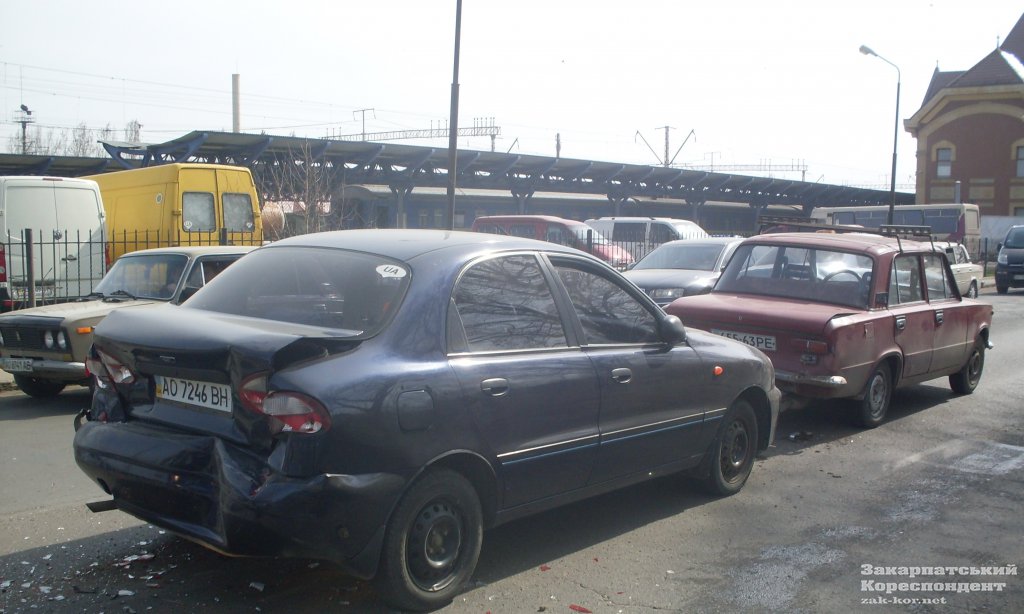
x=65 y=266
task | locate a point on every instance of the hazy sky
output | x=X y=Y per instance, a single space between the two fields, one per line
x=755 y=81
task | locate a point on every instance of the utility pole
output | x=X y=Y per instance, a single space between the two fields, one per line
x=363 y=112
x=24 y=119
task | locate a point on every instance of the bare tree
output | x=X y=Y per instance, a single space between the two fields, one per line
x=301 y=187
x=78 y=141
x=133 y=132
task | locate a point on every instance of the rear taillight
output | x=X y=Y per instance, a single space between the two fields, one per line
x=108 y=369
x=289 y=412
x=3 y=263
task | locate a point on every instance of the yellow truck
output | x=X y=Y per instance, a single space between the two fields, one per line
x=172 y=205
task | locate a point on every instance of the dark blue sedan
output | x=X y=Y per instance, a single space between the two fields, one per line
x=378 y=398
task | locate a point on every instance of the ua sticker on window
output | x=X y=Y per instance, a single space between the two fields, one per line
x=390 y=271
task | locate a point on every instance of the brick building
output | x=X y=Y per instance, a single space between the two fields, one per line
x=970 y=129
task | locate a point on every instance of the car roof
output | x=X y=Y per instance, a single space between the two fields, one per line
x=406 y=244
x=844 y=241
x=705 y=241
x=525 y=218
x=193 y=250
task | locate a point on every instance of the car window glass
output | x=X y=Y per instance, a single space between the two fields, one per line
x=522 y=230
x=905 y=282
x=660 y=233
x=629 y=231
x=144 y=276
x=205 y=270
x=801 y=273
x=315 y=286
x=238 y=216
x=197 y=212
x=608 y=314
x=505 y=304
x=935 y=276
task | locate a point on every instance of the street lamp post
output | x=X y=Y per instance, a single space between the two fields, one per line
x=895 y=133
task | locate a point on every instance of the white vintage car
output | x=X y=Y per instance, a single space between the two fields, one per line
x=968 y=274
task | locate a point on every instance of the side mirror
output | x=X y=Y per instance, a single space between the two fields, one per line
x=999 y=246
x=672 y=330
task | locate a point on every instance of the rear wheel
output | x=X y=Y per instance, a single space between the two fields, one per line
x=966 y=380
x=38 y=388
x=731 y=456
x=432 y=542
x=872 y=408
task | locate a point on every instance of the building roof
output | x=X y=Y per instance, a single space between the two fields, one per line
x=1004 y=66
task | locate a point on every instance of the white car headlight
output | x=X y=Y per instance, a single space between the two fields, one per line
x=668 y=293
x=62 y=341
x=1001 y=258
x=48 y=340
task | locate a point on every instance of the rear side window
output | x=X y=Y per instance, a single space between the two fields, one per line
x=504 y=304
x=198 y=213
x=905 y=282
x=939 y=286
x=629 y=231
x=661 y=233
x=527 y=231
x=238 y=215
x=315 y=286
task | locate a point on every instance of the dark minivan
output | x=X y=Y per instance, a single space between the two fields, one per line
x=1010 y=263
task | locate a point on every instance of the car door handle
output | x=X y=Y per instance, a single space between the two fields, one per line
x=496 y=386
x=70 y=258
x=622 y=375
x=938 y=317
x=901 y=322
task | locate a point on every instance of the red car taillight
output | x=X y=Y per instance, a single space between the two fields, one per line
x=289 y=412
x=3 y=263
x=107 y=369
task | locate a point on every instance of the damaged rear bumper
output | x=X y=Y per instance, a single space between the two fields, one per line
x=228 y=499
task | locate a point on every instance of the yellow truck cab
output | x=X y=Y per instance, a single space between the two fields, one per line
x=180 y=204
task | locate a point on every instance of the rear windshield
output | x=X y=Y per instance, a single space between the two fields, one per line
x=801 y=273
x=310 y=285
x=238 y=215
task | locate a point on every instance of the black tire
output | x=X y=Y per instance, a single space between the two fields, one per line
x=731 y=456
x=966 y=379
x=1002 y=289
x=432 y=542
x=38 y=388
x=972 y=292
x=871 y=410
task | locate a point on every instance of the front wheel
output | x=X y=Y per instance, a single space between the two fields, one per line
x=1002 y=289
x=875 y=404
x=38 y=388
x=432 y=542
x=966 y=380
x=732 y=454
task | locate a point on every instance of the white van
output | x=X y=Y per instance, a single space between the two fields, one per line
x=640 y=235
x=66 y=220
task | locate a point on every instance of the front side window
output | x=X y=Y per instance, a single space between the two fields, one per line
x=238 y=215
x=353 y=292
x=905 y=281
x=504 y=304
x=198 y=213
x=608 y=314
x=944 y=162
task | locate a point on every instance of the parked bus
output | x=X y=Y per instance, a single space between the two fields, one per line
x=959 y=223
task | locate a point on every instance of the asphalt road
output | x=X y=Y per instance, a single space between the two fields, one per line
x=832 y=519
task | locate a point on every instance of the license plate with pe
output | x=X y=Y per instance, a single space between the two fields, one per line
x=765 y=343
x=188 y=392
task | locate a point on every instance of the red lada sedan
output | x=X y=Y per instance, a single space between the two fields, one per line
x=851 y=315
